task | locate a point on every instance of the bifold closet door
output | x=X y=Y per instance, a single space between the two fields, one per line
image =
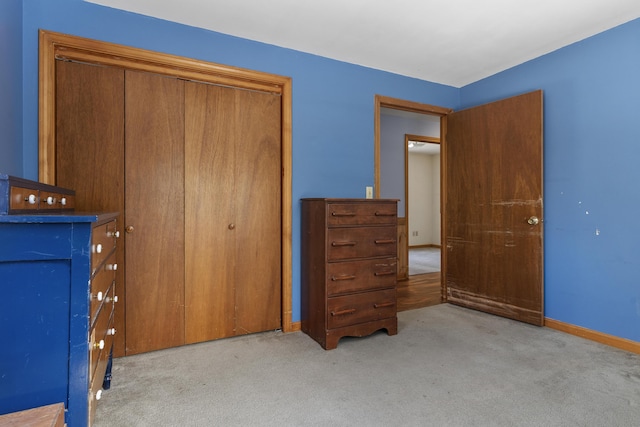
x=90 y=149
x=154 y=221
x=232 y=212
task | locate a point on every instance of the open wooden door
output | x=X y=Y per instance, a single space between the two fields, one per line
x=493 y=230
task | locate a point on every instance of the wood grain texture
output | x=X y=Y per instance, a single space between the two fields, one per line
x=421 y=290
x=348 y=282
x=258 y=212
x=155 y=208
x=494 y=259
x=403 y=250
x=42 y=416
x=209 y=210
x=233 y=211
x=610 y=340
x=55 y=45
x=89 y=156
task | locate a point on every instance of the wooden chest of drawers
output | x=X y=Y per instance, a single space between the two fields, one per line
x=349 y=268
x=18 y=195
x=58 y=285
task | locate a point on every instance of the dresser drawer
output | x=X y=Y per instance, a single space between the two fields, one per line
x=55 y=201
x=339 y=214
x=100 y=337
x=103 y=241
x=24 y=199
x=361 y=242
x=359 y=308
x=100 y=283
x=356 y=276
x=96 y=380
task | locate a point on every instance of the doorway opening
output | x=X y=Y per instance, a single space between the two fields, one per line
x=422 y=202
x=421 y=125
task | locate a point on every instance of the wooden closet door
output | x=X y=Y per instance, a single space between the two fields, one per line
x=154 y=167
x=258 y=254
x=209 y=206
x=90 y=150
x=232 y=212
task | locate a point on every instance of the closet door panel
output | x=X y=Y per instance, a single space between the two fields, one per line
x=154 y=167
x=210 y=225
x=90 y=150
x=258 y=212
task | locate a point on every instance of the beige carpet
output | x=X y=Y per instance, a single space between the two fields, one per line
x=448 y=366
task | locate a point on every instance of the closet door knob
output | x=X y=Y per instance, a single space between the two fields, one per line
x=129 y=229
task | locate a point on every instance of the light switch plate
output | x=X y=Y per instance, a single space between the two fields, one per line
x=369 y=193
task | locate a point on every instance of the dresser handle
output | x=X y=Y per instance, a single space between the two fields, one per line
x=343 y=312
x=384 y=304
x=343 y=243
x=343 y=214
x=343 y=277
x=385 y=214
x=384 y=273
x=384 y=242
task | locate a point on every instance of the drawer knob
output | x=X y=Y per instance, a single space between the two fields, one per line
x=232 y=226
x=97 y=248
x=111 y=331
x=32 y=199
x=99 y=394
x=129 y=229
x=111 y=267
x=115 y=234
x=50 y=200
x=99 y=345
x=63 y=201
x=99 y=296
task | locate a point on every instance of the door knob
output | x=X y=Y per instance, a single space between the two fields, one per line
x=533 y=220
x=129 y=229
x=232 y=226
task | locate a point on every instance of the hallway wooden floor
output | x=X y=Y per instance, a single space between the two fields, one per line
x=421 y=290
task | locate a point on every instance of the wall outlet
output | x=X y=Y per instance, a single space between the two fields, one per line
x=369 y=193
x=415 y=233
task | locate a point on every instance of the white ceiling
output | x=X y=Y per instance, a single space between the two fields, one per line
x=453 y=42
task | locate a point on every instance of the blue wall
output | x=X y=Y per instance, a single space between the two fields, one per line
x=11 y=87
x=591 y=190
x=392 y=131
x=592 y=134
x=333 y=101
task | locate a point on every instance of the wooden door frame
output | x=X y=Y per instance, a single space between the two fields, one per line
x=55 y=46
x=427 y=109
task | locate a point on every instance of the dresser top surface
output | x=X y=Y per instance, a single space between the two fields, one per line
x=75 y=217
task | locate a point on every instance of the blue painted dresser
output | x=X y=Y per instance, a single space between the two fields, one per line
x=57 y=281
